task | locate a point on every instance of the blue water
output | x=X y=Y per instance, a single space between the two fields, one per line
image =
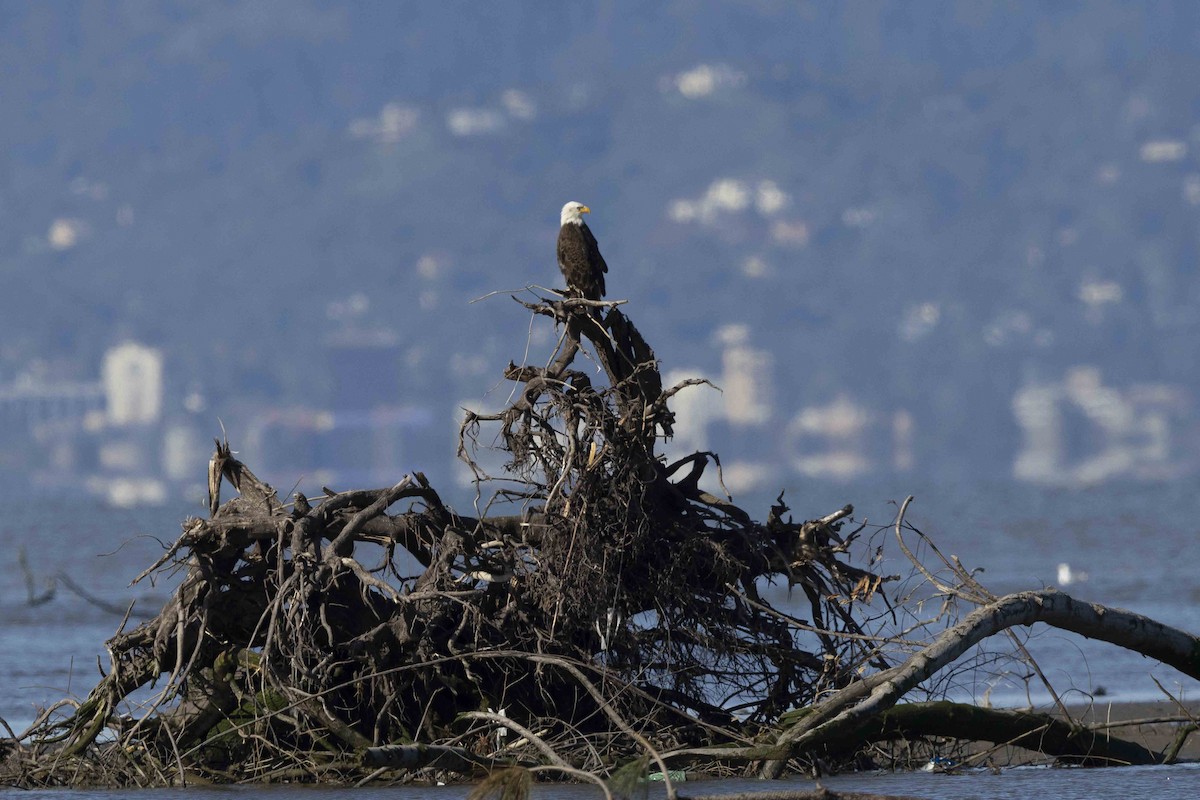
x=51 y=651
x=1138 y=545
x=1181 y=781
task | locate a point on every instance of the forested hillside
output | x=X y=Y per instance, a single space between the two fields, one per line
x=922 y=207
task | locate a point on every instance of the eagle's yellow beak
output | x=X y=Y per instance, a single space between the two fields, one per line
x=585 y=210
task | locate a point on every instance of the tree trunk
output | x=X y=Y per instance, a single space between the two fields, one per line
x=837 y=718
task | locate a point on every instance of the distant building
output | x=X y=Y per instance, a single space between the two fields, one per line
x=132 y=375
x=28 y=403
x=745 y=378
x=184 y=452
x=832 y=441
x=903 y=434
x=1079 y=431
x=696 y=409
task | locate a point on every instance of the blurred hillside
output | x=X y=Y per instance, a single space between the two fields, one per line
x=954 y=239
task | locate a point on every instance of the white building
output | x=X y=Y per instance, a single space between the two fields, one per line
x=745 y=377
x=132 y=375
x=1078 y=431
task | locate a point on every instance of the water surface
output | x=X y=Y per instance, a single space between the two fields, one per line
x=1138 y=546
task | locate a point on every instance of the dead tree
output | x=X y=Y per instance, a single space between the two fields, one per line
x=603 y=603
x=600 y=607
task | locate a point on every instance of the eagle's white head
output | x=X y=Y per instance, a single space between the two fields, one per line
x=573 y=212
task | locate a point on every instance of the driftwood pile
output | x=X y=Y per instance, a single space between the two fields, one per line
x=600 y=609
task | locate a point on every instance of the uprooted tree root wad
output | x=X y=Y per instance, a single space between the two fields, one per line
x=603 y=608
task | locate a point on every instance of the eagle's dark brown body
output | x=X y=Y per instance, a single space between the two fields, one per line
x=580 y=260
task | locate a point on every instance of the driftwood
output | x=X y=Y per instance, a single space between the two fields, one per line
x=601 y=608
x=849 y=713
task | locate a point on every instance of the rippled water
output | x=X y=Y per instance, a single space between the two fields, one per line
x=50 y=650
x=1138 y=546
x=1181 y=781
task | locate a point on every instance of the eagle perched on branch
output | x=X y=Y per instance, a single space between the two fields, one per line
x=579 y=254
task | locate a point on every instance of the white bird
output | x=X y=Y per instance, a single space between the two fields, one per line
x=1067 y=576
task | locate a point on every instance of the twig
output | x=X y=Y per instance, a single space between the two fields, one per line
x=545 y=749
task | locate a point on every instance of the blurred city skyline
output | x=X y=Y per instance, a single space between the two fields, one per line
x=943 y=241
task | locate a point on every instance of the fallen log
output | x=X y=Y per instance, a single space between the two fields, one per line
x=1064 y=740
x=848 y=711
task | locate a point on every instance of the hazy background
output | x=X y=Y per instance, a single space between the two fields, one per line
x=916 y=242
x=940 y=248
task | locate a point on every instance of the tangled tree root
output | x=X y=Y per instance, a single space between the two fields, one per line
x=602 y=609
x=612 y=613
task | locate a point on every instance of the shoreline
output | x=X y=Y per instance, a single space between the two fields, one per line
x=1154 y=724
x=1160 y=722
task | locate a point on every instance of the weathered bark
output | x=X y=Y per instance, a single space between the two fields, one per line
x=1043 y=733
x=838 y=717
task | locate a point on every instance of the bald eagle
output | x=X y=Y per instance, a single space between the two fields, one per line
x=579 y=254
